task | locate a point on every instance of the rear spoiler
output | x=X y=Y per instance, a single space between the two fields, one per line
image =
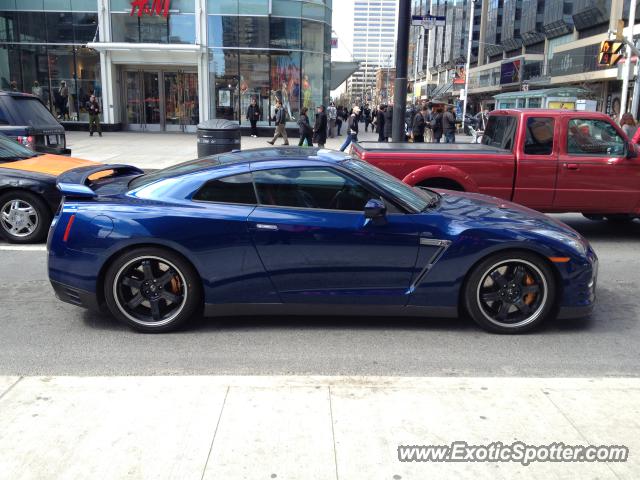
x=73 y=183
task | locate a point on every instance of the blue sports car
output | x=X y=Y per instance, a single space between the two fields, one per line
x=306 y=231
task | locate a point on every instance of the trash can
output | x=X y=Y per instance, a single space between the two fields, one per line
x=217 y=136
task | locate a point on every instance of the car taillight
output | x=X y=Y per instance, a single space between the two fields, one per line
x=67 y=230
x=27 y=141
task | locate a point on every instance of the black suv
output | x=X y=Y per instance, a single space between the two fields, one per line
x=25 y=118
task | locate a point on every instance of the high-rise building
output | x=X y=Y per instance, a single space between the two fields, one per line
x=374 y=39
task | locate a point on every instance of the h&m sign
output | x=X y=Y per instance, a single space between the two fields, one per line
x=157 y=7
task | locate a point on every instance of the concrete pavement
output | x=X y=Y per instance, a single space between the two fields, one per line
x=304 y=427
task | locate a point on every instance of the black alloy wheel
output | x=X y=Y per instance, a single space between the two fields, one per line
x=511 y=293
x=152 y=290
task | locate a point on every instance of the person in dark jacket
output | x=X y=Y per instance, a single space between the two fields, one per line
x=339 y=119
x=253 y=115
x=380 y=123
x=436 y=126
x=306 y=132
x=281 y=121
x=93 y=107
x=388 y=119
x=320 y=127
x=419 y=125
x=352 y=128
x=366 y=112
x=449 y=125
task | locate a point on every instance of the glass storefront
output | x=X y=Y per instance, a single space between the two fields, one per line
x=269 y=50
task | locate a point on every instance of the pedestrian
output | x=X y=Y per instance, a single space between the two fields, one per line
x=36 y=89
x=418 y=127
x=306 y=132
x=388 y=120
x=93 y=107
x=320 y=127
x=281 y=122
x=339 y=114
x=374 y=119
x=428 y=117
x=380 y=123
x=628 y=124
x=253 y=115
x=14 y=86
x=63 y=93
x=449 y=125
x=436 y=126
x=332 y=115
x=481 y=119
x=352 y=128
x=367 y=117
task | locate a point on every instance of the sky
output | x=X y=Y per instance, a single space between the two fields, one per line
x=342 y=19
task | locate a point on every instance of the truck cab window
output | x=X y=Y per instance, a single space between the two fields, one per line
x=500 y=132
x=539 y=136
x=593 y=137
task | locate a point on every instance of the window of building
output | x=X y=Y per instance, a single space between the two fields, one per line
x=224 y=76
x=223 y=31
x=285 y=83
x=310 y=188
x=539 y=136
x=233 y=189
x=285 y=32
x=253 y=32
x=312 y=36
x=254 y=83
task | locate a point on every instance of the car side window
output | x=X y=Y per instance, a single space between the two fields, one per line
x=231 y=189
x=539 y=136
x=593 y=137
x=310 y=187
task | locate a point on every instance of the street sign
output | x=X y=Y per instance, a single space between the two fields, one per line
x=428 y=21
x=610 y=52
x=334 y=42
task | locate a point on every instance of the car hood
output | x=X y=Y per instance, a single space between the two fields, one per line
x=48 y=164
x=472 y=210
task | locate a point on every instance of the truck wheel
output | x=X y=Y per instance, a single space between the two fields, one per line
x=443 y=183
x=24 y=217
x=510 y=292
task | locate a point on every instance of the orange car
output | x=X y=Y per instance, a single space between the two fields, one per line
x=28 y=193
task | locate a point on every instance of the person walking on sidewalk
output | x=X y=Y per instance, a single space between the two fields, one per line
x=305 y=128
x=419 y=125
x=281 y=122
x=388 y=121
x=449 y=126
x=253 y=115
x=436 y=126
x=352 y=128
x=339 y=114
x=320 y=127
x=367 y=117
x=332 y=115
x=380 y=123
x=93 y=107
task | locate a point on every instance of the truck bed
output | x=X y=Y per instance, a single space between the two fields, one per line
x=436 y=148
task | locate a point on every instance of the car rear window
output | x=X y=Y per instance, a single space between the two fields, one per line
x=28 y=111
x=12 y=150
x=500 y=132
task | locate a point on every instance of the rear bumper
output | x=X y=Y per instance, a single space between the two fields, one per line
x=75 y=296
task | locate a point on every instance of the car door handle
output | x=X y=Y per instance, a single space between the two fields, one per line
x=571 y=166
x=266 y=226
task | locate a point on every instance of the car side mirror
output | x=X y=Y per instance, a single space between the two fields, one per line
x=376 y=211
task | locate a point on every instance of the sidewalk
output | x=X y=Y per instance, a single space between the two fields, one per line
x=158 y=150
x=307 y=428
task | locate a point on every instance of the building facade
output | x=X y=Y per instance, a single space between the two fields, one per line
x=524 y=45
x=374 y=40
x=166 y=65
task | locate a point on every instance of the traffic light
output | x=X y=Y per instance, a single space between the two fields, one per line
x=610 y=52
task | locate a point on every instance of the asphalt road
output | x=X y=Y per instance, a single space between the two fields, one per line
x=40 y=335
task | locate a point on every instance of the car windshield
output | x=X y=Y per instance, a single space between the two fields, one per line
x=416 y=199
x=11 y=150
x=30 y=111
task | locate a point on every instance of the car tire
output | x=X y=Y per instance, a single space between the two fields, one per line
x=153 y=290
x=24 y=217
x=510 y=292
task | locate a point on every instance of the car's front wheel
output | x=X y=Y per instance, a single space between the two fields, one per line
x=511 y=292
x=24 y=217
x=152 y=289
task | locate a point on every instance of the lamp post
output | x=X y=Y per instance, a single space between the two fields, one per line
x=468 y=65
x=400 y=85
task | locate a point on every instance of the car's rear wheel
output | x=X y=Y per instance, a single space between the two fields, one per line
x=24 y=217
x=152 y=289
x=511 y=292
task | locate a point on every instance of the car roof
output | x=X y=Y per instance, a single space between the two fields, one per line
x=271 y=154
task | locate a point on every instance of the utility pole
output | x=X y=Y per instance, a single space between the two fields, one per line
x=626 y=68
x=468 y=65
x=400 y=89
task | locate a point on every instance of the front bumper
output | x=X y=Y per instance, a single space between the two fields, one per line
x=75 y=296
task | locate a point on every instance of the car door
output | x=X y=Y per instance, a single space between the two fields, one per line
x=594 y=173
x=537 y=164
x=314 y=241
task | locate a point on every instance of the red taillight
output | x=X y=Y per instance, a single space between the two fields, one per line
x=26 y=141
x=68 y=229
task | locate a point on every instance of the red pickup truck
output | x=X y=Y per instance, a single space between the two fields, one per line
x=549 y=160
